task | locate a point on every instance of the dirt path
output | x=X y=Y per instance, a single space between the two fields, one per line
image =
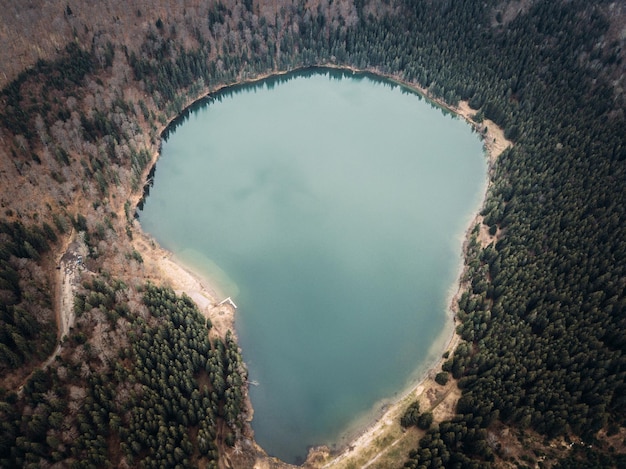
x=69 y=264
x=385 y=443
x=379 y=455
x=65 y=279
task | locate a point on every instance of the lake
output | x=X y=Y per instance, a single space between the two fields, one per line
x=332 y=207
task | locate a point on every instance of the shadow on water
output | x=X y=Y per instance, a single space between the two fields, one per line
x=299 y=317
x=271 y=82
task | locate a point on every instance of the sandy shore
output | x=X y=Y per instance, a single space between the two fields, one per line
x=384 y=441
x=162 y=267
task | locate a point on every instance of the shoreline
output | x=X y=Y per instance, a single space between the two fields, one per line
x=384 y=415
x=163 y=266
x=366 y=427
x=494 y=144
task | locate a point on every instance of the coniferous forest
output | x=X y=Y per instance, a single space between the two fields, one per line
x=141 y=380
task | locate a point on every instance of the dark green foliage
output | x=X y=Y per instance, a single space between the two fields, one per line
x=22 y=335
x=544 y=316
x=442 y=378
x=586 y=457
x=22 y=241
x=80 y=223
x=425 y=420
x=97 y=126
x=166 y=76
x=159 y=407
x=453 y=444
x=102 y=295
x=411 y=415
x=171 y=358
x=217 y=14
x=545 y=308
x=24 y=435
x=65 y=73
x=135 y=255
x=60 y=222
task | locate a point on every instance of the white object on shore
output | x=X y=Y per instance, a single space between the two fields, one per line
x=229 y=301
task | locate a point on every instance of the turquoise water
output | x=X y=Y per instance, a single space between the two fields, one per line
x=331 y=206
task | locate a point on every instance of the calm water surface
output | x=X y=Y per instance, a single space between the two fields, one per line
x=331 y=207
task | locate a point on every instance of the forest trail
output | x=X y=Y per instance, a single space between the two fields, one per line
x=377 y=443
x=68 y=262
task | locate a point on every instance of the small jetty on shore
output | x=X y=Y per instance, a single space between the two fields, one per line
x=228 y=301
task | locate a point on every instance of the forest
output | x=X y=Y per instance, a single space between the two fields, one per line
x=543 y=319
x=165 y=399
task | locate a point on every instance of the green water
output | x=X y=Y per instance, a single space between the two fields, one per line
x=332 y=207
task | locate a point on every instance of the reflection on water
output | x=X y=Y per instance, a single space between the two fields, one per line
x=329 y=206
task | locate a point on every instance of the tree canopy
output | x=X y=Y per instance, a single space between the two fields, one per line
x=542 y=320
